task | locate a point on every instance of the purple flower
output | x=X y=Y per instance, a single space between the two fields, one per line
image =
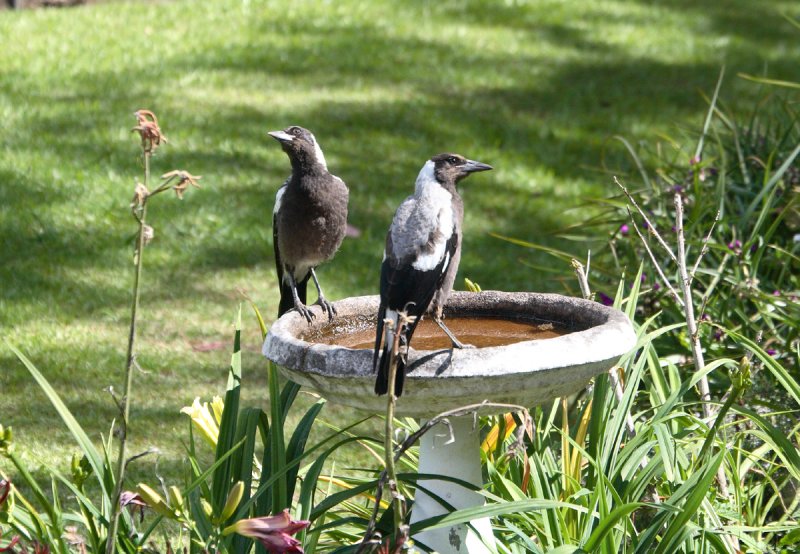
x=776 y=293
x=624 y=229
x=694 y=160
x=677 y=189
x=735 y=246
x=273 y=532
x=656 y=286
x=771 y=352
x=605 y=299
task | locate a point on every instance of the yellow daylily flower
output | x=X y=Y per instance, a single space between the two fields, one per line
x=206 y=422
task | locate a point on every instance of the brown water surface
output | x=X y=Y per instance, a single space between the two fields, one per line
x=479 y=332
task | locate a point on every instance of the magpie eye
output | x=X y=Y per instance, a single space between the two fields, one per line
x=453 y=160
x=294 y=130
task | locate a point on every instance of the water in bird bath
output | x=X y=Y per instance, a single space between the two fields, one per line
x=480 y=332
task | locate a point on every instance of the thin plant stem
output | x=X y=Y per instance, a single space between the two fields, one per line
x=391 y=401
x=660 y=272
x=694 y=339
x=704 y=249
x=129 y=366
x=688 y=309
x=369 y=543
x=649 y=223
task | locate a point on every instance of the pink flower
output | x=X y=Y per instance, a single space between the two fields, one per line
x=273 y=532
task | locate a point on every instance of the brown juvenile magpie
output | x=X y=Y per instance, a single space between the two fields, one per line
x=309 y=220
x=423 y=248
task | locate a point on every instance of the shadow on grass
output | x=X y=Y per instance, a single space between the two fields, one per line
x=380 y=100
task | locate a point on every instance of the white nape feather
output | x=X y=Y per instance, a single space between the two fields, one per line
x=433 y=203
x=278 y=197
x=426 y=178
x=319 y=155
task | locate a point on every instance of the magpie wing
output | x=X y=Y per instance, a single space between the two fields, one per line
x=278 y=263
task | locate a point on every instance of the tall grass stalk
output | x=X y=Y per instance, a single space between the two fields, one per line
x=130 y=361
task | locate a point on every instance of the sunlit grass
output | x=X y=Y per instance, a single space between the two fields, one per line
x=534 y=88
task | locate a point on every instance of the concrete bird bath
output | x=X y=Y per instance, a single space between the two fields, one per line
x=530 y=349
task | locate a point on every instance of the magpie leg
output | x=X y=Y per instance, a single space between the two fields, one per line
x=299 y=306
x=456 y=343
x=327 y=306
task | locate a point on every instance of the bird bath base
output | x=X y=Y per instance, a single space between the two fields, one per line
x=457 y=449
x=335 y=359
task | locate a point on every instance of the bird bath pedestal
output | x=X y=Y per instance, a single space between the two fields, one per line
x=530 y=349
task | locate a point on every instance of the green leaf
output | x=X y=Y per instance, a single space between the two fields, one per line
x=607 y=523
x=695 y=491
x=103 y=474
x=277 y=446
x=227 y=427
x=491 y=510
x=777 y=370
x=298 y=443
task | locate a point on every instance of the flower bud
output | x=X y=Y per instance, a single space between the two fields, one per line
x=175 y=498
x=154 y=500
x=232 y=502
x=5 y=439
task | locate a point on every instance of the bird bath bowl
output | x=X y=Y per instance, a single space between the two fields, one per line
x=530 y=348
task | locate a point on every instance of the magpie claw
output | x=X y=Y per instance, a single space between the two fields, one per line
x=305 y=312
x=328 y=307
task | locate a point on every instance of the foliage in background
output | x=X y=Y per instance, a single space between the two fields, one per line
x=660 y=479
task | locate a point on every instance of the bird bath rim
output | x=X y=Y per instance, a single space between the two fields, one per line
x=526 y=373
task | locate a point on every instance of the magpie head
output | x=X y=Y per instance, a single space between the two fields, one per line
x=451 y=168
x=300 y=145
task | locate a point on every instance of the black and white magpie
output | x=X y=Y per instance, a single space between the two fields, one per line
x=423 y=249
x=309 y=220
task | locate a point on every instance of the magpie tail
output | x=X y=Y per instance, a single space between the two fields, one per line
x=287 y=299
x=382 y=380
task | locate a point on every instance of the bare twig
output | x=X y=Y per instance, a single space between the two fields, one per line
x=704 y=250
x=649 y=223
x=583 y=278
x=694 y=336
x=663 y=277
x=688 y=305
x=397 y=499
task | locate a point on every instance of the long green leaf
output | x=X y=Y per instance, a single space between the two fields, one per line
x=607 y=523
x=227 y=428
x=696 y=493
x=298 y=443
x=777 y=370
x=491 y=510
x=86 y=445
x=277 y=446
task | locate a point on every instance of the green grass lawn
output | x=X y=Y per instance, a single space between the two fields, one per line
x=534 y=88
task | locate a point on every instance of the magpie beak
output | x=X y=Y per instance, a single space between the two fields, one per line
x=473 y=166
x=281 y=137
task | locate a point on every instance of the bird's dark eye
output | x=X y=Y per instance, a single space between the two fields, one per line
x=294 y=130
x=453 y=160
